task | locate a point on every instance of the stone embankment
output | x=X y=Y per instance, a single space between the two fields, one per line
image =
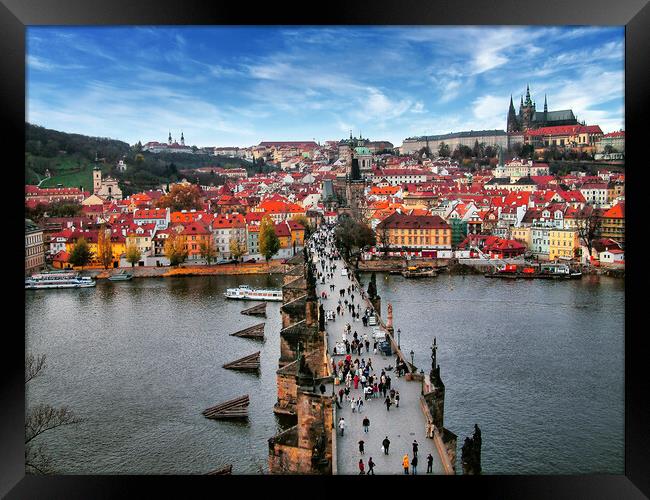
x=214 y=270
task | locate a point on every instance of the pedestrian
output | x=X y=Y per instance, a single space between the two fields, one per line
x=405 y=464
x=342 y=425
x=371 y=466
x=341 y=395
x=414 y=465
x=359 y=404
x=361 y=450
x=387 y=403
x=385 y=444
x=415 y=448
x=356 y=381
x=353 y=405
x=322 y=388
x=361 y=467
x=429 y=463
x=366 y=424
x=397 y=399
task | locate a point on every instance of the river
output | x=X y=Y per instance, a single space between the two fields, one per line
x=537 y=364
x=139 y=361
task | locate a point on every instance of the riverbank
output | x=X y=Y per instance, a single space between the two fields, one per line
x=453 y=267
x=196 y=270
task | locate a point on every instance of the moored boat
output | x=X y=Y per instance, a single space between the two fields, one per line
x=245 y=292
x=121 y=276
x=550 y=270
x=419 y=272
x=58 y=279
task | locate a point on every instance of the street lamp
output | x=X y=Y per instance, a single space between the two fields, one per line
x=398 y=334
x=412 y=354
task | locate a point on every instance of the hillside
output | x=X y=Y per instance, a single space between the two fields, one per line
x=70 y=158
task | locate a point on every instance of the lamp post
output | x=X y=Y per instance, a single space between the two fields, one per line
x=398 y=334
x=412 y=354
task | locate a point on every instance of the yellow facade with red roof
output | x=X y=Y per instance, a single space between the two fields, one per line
x=612 y=223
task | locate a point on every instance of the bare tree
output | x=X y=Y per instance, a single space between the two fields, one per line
x=33 y=365
x=39 y=419
x=588 y=225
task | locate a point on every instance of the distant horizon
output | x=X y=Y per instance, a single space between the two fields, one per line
x=239 y=86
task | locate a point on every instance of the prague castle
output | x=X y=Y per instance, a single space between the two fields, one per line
x=529 y=118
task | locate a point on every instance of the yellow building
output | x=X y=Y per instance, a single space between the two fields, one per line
x=414 y=232
x=612 y=223
x=562 y=243
x=521 y=234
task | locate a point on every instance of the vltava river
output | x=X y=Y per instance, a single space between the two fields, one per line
x=139 y=361
x=537 y=364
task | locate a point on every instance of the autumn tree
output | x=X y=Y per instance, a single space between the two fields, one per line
x=237 y=248
x=175 y=249
x=207 y=249
x=80 y=254
x=104 y=247
x=182 y=197
x=304 y=222
x=39 y=419
x=133 y=254
x=268 y=240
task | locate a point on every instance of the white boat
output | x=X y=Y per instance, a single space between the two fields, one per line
x=245 y=292
x=121 y=276
x=58 y=279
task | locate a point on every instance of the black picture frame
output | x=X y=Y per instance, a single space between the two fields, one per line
x=634 y=14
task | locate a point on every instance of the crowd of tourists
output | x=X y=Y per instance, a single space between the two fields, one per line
x=358 y=381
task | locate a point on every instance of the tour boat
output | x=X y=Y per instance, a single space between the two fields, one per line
x=121 y=276
x=58 y=280
x=419 y=272
x=245 y=292
x=545 y=271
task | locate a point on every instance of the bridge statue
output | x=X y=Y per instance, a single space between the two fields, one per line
x=434 y=348
x=389 y=316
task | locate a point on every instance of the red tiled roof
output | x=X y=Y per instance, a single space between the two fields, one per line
x=402 y=221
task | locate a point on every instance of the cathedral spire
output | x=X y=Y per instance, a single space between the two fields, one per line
x=545 y=105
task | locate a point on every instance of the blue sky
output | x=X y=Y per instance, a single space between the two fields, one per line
x=237 y=86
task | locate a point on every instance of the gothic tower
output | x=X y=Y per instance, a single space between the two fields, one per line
x=169 y=140
x=512 y=125
x=182 y=139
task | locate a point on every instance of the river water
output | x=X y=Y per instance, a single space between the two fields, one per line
x=139 y=361
x=537 y=364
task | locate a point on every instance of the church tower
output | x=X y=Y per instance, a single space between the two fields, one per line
x=97 y=179
x=169 y=140
x=182 y=139
x=512 y=125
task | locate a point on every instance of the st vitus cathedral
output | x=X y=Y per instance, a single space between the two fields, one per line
x=529 y=118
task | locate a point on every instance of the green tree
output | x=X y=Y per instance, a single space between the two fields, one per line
x=80 y=254
x=269 y=241
x=443 y=150
x=207 y=249
x=133 y=254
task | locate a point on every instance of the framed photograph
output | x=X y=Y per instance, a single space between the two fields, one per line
x=385 y=240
